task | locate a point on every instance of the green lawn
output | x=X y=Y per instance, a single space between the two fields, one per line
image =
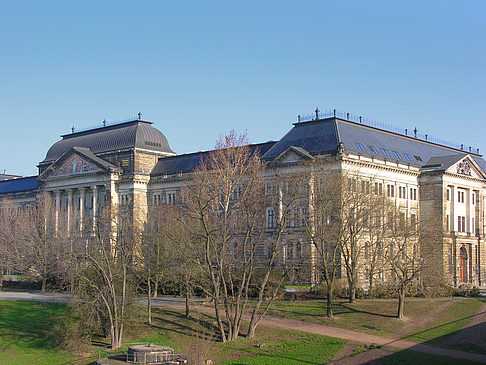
x=418 y=358
x=24 y=333
x=371 y=316
x=449 y=322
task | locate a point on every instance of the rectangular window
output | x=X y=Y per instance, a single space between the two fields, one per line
x=385 y=152
x=270 y=218
x=268 y=189
x=378 y=188
x=418 y=158
x=413 y=193
x=360 y=147
x=448 y=194
x=390 y=190
x=473 y=199
x=448 y=223
x=460 y=196
x=171 y=197
x=473 y=227
x=413 y=220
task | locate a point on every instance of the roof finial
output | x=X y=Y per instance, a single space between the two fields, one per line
x=415 y=132
x=139 y=115
x=317 y=113
x=104 y=122
x=72 y=129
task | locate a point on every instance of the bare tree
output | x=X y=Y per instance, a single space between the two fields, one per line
x=40 y=244
x=106 y=266
x=10 y=248
x=323 y=228
x=403 y=254
x=225 y=202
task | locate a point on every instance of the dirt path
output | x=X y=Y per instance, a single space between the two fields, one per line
x=355 y=336
x=474 y=332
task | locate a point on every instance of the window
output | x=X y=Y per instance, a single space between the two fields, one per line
x=268 y=189
x=365 y=187
x=402 y=220
x=473 y=199
x=270 y=218
x=461 y=224
x=360 y=147
x=171 y=197
x=390 y=190
x=385 y=152
x=396 y=154
x=473 y=227
x=125 y=199
x=448 y=219
x=372 y=149
x=236 y=194
x=408 y=157
x=378 y=188
x=157 y=199
x=402 y=192
x=413 y=193
x=418 y=158
x=448 y=194
x=460 y=196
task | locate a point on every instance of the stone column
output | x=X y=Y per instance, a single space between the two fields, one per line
x=81 y=208
x=69 y=209
x=95 y=204
x=58 y=208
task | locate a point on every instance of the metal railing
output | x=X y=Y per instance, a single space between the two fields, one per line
x=319 y=114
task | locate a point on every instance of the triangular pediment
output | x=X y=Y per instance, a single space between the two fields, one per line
x=293 y=155
x=77 y=161
x=467 y=167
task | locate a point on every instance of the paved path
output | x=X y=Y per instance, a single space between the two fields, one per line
x=286 y=323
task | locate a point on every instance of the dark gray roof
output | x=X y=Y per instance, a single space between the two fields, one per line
x=135 y=133
x=188 y=162
x=323 y=136
x=18 y=185
x=443 y=162
x=8 y=177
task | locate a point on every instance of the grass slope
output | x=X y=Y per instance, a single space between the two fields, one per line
x=24 y=333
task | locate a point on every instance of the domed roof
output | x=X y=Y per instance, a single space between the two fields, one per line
x=126 y=135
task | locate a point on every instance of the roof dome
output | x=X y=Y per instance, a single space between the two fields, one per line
x=126 y=135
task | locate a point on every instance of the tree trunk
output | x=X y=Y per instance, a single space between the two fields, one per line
x=1 y=279
x=149 y=301
x=43 y=287
x=370 y=289
x=401 y=302
x=156 y=285
x=187 y=298
x=352 y=292
x=329 y=312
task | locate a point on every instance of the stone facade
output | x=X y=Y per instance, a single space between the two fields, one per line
x=131 y=164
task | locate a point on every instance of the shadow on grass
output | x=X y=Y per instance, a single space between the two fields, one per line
x=29 y=323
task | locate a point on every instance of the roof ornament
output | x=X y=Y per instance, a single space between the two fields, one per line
x=72 y=129
x=139 y=115
x=104 y=122
x=317 y=113
x=415 y=132
x=340 y=149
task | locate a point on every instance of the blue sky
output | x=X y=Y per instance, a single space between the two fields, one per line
x=199 y=69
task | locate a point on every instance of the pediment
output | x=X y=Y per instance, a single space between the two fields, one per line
x=293 y=155
x=75 y=162
x=467 y=167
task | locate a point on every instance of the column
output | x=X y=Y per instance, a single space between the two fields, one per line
x=81 y=208
x=69 y=209
x=58 y=208
x=95 y=204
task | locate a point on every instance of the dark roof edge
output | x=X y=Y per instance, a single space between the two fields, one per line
x=107 y=128
x=389 y=132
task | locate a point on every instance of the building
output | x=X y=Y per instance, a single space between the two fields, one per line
x=131 y=164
